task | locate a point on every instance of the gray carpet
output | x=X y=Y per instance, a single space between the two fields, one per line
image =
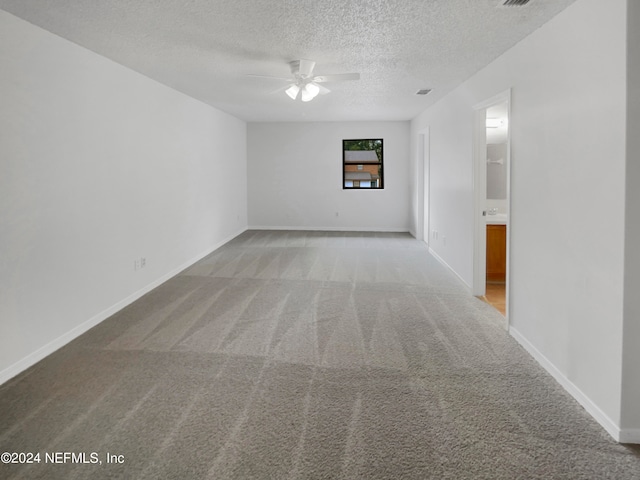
x=304 y=355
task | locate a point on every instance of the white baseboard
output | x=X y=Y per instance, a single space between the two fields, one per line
x=330 y=229
x=591 y=408
x=629 y=435
x=445 y=264
x=75 y=332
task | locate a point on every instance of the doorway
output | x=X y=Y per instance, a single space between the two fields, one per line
x=423 y=185
x=492 y=213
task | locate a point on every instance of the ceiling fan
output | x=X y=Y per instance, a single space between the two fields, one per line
x=305 y=84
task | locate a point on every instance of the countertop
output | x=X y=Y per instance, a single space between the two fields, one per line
x=497 y=219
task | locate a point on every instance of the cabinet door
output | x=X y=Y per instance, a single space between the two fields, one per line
x=496 y=253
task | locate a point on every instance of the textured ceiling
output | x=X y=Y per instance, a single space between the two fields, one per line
x=206 y=48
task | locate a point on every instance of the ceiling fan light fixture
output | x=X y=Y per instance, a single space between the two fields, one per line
x=303 y=83
x=313 y=88
x=310 y=91
x=293 y=91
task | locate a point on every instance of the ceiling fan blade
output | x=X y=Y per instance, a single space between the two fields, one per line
x=305 y=67
x=279 y=90
x=338 y=77
x=286 y=79
x=323 y=90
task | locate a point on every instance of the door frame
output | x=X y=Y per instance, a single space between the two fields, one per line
x=423 y=171
x=480 y=189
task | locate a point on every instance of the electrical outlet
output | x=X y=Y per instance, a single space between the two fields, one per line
x=139 y=263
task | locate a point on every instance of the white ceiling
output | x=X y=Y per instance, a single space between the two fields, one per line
x=206 y=48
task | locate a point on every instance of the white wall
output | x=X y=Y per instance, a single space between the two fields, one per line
x=631 y=352
x=450 y=191
x=99 y=166
x=567 y=194
x=295 y=177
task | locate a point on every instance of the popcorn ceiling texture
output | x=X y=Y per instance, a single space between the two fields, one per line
x=205 y=48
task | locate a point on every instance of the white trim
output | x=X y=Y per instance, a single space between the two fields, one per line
x=479 y=201
x=591 y=408
x=479 y=204
x=495 y=100
x=424 y=188
x=629 y=435
x=34 y=357
x=332 y=229
x=445 y=264
x=420 y=187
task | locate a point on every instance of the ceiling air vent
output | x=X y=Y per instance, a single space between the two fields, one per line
x=424 y=91
x=515 y=3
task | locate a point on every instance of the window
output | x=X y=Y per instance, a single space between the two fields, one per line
x=362 y=163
